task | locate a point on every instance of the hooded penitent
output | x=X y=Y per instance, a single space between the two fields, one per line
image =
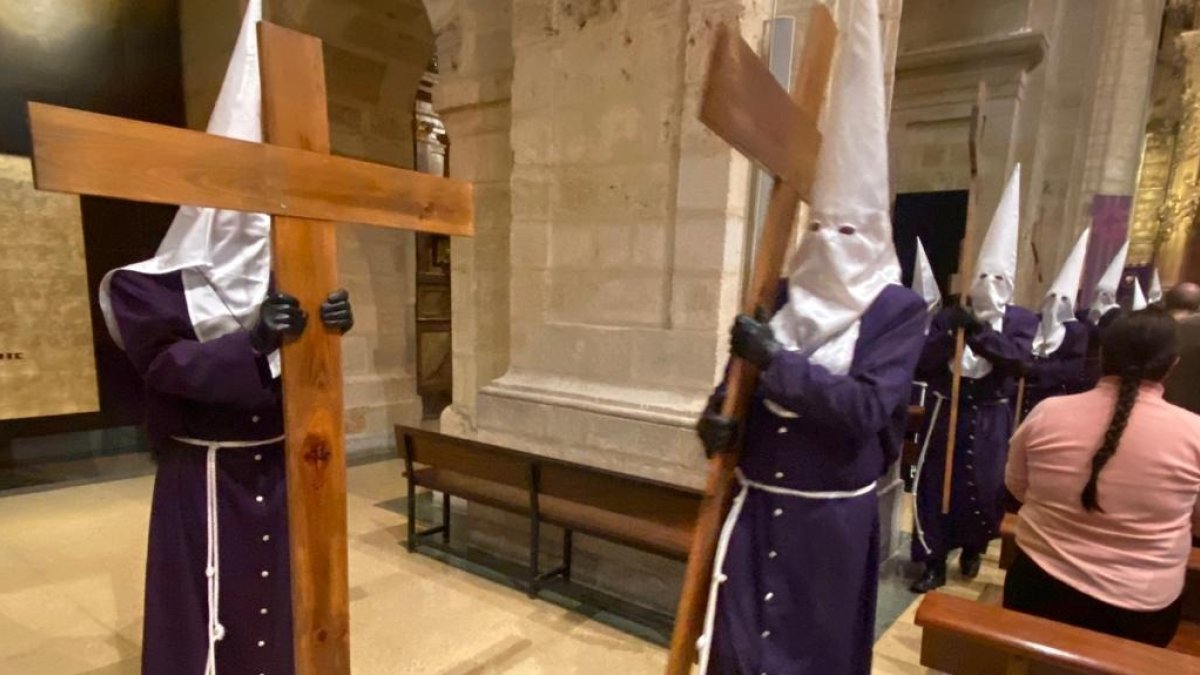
x=224 y=256
x=1058 y=307
x=1155 y=294
x=996 y=270
x=846 y=257
x=1105 y=299
x=924 y=282
x=1139 y=298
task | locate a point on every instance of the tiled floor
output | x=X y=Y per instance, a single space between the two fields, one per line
x=71 y=565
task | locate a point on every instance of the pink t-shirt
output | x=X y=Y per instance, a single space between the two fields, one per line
x=1134 y=553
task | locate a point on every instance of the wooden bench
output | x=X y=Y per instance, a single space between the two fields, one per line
x=971 y=638
x=640 y=513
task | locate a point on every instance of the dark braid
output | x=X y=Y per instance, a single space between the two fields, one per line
x=1126 y=397
x=1136 y=346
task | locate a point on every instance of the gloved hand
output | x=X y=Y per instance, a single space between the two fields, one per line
x=961 y=317
x=336 y=312
x=279 y=315
x=718 y=433
x=754 y=341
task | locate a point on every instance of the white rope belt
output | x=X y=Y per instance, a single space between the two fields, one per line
x=212 y=566
x=704 y=643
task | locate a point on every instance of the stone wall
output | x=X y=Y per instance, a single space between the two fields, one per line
x=375 y=52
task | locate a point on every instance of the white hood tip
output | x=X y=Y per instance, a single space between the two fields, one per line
x=998 y=254
x=1139 y=298
x=224 y=256
x=996 y=266
x=1155 y=294
x=1067 y=283
x=1105 y=298
x=924 y=282
x=846 y=258
x=1058 y=307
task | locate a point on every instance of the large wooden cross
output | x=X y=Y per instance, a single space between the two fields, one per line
x=746 y=106
x=307 y=191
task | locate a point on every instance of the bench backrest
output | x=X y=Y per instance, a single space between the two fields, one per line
x=609 y=491
x=465 y=456
x=962 y=636
x=628 y=496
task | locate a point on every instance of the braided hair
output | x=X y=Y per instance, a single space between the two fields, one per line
x=1137 y=346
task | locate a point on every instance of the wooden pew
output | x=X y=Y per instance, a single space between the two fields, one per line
x=641 y=513
x=963 y=637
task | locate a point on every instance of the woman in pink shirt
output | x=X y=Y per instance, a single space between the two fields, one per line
x=1109 y=481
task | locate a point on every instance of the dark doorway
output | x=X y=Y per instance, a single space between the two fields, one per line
x=939 y=219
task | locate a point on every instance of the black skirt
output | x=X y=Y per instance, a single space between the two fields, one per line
x=1031 y=590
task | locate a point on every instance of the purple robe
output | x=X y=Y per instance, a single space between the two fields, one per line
x=985 y=421
x=1061 y=372
x=801 y=574
x=219 y=390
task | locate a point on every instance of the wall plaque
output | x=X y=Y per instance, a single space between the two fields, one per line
x=47 y=366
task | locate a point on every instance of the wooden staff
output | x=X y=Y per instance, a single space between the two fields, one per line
x=1020 y=402
x=746 y=106
x=966 y=274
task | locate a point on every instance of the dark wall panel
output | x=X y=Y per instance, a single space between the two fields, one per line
x=119 y=57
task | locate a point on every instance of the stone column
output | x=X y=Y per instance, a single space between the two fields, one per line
x=626 y=235
x=475 y=54
x=1112 y=132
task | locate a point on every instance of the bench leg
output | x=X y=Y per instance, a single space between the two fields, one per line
x=568 y=547
x=535 y=532
x=446 y=518
x=411 y=542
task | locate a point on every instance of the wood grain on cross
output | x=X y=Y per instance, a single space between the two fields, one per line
x=307 y=191
x=966 y=276
x=746 y=106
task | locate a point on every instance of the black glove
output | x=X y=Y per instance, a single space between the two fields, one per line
x=718 y=433
x=754 y=341
x=961 y=317
x=279 y=315
x=336 y=312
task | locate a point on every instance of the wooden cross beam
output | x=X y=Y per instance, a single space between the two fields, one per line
x=307 y=190
x=745 y=106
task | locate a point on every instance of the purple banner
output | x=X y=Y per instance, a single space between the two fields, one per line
x=1110 y=227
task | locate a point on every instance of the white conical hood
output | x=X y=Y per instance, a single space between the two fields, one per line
x=1106 y=289
x=224 y=256
x=996 y=270
x=1058 y=307
x=996 y=267
x=846 y=257
x=1139 y=298
x=1155 y=294
x=924 y=282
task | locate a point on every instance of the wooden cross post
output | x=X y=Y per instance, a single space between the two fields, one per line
x=307 y=191
x=966 y=276
x=744 y=105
